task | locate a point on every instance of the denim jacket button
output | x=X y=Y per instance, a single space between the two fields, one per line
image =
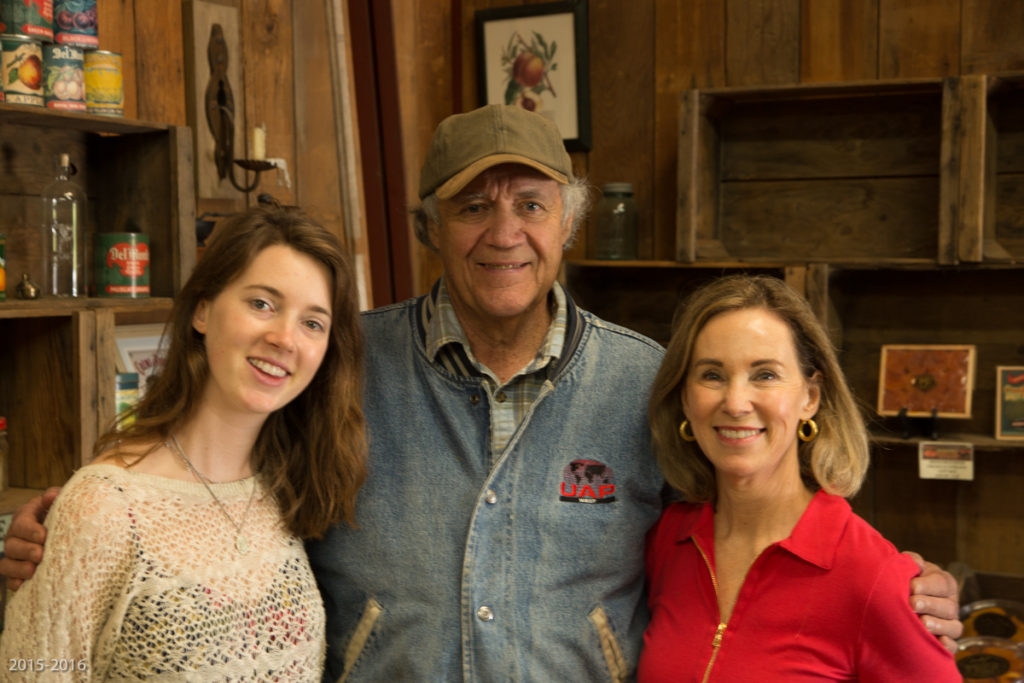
x=474 y=399
x=485 y=613
x=491 y=497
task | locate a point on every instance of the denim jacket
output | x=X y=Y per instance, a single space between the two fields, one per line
x=523 y=566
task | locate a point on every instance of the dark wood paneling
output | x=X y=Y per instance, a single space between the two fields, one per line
x=622 y=106
x=918 y=38
x=38 y=399
x=160 y=62
x=992 y=36
x=317 y=166
x=689 y=52
x=762 y=41
x=884 y=218
x=838 y=40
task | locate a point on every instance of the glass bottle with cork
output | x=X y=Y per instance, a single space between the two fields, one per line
x=63 y=234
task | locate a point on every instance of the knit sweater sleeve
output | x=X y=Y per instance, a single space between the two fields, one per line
x=57 y=622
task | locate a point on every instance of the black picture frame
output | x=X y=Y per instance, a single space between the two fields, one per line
x=553 y=79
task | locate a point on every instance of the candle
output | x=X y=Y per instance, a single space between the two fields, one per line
x=259 y=143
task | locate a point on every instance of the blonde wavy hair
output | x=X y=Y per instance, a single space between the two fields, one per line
x=835 y=461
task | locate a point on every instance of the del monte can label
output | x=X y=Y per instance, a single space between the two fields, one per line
x=64 y=79
x=122 y=264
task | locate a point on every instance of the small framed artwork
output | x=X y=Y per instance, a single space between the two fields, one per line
x=1010 y=402
x=535 y=57
x=142 y=350
x=922 y=380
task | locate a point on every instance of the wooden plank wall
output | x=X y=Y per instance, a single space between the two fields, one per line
x=287 y=84
x=643 y=55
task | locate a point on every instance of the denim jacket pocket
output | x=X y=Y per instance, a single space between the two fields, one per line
x=609 y=644
x=360 y=636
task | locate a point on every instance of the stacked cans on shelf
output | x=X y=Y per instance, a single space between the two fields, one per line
x=51 y=58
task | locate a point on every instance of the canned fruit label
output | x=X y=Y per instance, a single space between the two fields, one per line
x=104 y=88
x=29 y=17
x=22 y=70
x=64 y=85
x=74 y=23
x=122 y=264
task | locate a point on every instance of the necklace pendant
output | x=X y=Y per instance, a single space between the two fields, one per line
x=242 y=544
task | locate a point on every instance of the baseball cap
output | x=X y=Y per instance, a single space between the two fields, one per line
x=465 y=145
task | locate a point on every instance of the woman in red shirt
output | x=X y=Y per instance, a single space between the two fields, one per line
x=765 y=573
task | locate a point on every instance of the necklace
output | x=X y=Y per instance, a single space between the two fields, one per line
x=241 y=541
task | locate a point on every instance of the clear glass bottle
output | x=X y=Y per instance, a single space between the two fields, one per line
x=63 y=234
x=615 y=223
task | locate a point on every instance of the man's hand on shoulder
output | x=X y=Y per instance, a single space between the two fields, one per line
x=23 y=547
x=934 y=598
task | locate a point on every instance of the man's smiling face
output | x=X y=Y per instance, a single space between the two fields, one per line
x=501 y=240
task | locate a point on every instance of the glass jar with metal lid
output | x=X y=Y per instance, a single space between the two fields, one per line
x=615 y=223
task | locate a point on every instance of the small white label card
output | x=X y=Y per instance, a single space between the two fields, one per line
x=945 y=460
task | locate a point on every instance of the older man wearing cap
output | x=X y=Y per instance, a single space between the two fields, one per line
x=501 y=530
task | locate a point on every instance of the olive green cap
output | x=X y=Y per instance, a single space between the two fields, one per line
x=465 y=145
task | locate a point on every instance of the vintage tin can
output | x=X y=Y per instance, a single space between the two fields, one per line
x=74 y=23
x=28 y=17
x=122 y=264
x=22 y=70
x=3 y=267
x=104 y=87
x=63 y=77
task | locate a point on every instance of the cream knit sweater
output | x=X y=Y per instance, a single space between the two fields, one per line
x=141 y=580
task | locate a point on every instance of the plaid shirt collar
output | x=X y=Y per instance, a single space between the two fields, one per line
x=443 y=329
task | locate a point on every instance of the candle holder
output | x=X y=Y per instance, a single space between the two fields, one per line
x=220 y=115
x=256 y=166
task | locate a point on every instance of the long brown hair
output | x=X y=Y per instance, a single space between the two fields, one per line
x=836 y=460
x=311 y=454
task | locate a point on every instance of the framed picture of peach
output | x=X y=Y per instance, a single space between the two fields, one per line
x=535 y=57
x=1010 y=402
x=926 y=380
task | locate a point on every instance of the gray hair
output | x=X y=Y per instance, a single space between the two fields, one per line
x=575 y=203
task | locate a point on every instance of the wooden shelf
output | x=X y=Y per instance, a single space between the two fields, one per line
x=80 y=121
x=611 y=263
x=54 y=307
x=981 y=442
x=57 y=379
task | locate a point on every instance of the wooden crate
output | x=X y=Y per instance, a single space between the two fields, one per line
x=840 y=173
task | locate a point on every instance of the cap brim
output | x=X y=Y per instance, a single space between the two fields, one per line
x=454 y=185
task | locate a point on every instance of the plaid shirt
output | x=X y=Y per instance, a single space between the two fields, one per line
x=509 y=401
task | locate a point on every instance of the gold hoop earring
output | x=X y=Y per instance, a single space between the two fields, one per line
x=682 y=432
x=808 y=430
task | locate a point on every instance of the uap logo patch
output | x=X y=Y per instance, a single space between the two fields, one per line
x=587 y=481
